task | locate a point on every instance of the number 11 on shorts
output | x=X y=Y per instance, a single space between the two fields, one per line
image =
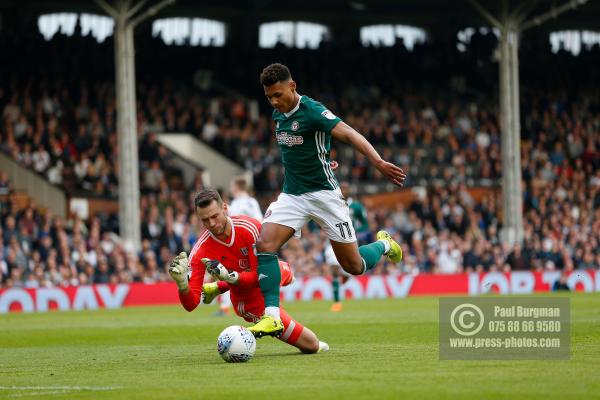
x=341 y=226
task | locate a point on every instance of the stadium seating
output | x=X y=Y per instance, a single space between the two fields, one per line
x=446 y=139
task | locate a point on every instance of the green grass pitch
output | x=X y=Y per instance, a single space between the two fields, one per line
x=379 y=349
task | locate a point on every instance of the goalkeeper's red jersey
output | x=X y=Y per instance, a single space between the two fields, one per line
x=237 y=254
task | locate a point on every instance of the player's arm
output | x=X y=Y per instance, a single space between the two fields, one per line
x=178 y=269
x=211 y=290
x=345 y=133
x=191 y=298
x=247 y=279
x=190 y=290
x=242 y=279
x=221 y=274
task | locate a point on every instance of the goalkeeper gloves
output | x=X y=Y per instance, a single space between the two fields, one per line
x=178 y=269
x=219 y=272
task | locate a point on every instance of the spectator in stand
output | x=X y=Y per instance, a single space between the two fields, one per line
x=242 y=203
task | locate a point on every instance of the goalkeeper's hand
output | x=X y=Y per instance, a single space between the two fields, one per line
x=219 y=272
x=178 y=269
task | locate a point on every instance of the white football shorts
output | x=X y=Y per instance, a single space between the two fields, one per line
x=326 y=207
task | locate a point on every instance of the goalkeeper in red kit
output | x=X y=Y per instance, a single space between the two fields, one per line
x=226 y=251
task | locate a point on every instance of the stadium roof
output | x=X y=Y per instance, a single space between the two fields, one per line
x=428 y=14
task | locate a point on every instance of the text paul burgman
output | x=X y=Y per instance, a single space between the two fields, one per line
x=526 y=312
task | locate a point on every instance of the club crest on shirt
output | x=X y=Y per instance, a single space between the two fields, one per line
x=295 y=126
x=244 y=264
x=244 y=251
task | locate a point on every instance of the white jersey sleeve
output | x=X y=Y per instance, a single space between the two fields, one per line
x=247 y=206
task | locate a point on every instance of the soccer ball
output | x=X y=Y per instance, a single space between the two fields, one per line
x=236 y=344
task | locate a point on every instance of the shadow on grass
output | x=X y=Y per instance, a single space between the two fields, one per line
x=218 y=361
x=295 y=353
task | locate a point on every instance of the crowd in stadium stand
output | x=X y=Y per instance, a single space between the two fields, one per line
x=66 y=131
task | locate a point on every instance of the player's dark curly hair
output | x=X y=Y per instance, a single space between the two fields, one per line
x=274 y=73
x=206 y=196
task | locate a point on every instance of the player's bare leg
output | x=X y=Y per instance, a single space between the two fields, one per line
x=300 y=336
x=272 y=237
x=309 y=343
x=358 y=260
x=349 y=257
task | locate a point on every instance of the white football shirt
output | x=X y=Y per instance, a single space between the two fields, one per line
x=246 y=205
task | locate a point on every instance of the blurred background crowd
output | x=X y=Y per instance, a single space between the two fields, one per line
x=437 y=124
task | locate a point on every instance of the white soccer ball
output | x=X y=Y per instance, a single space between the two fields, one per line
x=236 y=344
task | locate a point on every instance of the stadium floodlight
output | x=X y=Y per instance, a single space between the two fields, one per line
x=292 y=34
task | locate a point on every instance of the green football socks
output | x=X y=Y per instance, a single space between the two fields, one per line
x=371 y=254
x=269 y=278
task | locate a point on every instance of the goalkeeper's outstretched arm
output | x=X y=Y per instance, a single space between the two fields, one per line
x=220 y=273
x=190 y=290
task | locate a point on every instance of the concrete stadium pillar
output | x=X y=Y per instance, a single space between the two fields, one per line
x=512 y=229
x=124 y=13
x=512 y=25
x=129 y=186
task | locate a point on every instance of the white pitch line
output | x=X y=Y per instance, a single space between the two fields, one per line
x=92 y=388
x=43 y=393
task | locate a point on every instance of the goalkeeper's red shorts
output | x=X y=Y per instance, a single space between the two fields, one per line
x=292 y=329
